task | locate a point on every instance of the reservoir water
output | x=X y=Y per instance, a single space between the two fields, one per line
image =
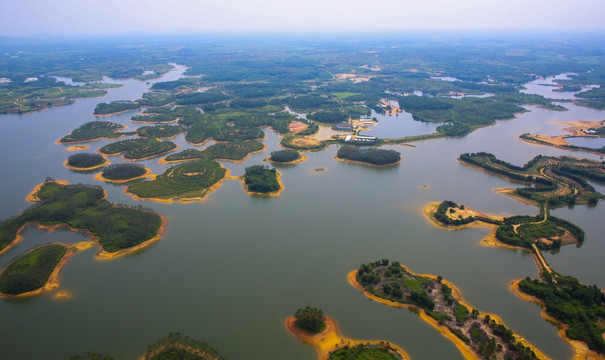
x=230 y=268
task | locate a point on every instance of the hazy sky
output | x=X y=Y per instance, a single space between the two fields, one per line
x=28 y=17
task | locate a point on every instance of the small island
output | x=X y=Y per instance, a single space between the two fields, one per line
x=368 y=156
x=286 y=156
x=154 y=118
x=85 y=161
x=438 y=302
x=138 y=149
x=31 y=271
x=92 y=131
x=120 y=173
x=184 y=182
x=262 y=180
x=321 y=332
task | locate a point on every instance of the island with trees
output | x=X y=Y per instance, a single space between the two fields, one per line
x=117 y=229
x=138 y=149
x=262 y=180
x=173 y=346
x=286 y=156
x=312 y=327
x=185 y=182
x=367 y=155
x=85 y=161
x=440 y=304
x=92 y=131
x=31 y=271
x=121 y=173
x=115 y=107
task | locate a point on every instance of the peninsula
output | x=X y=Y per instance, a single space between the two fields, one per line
x=476 y=335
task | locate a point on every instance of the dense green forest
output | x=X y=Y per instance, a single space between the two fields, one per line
x=32 y=270
x=122 y=172
x=579 y=306
x=82 y=207
x=369 y=155
x=261 y=179
x=85 y=160
x=188 y=180
x=93 y=130
x=138 y=149
x=310 y=319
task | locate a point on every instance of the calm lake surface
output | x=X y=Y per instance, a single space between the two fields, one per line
x=589 y=142
x=232 y=267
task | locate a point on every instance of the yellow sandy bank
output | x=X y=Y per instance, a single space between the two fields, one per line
x=331 y=339
x=77 y=148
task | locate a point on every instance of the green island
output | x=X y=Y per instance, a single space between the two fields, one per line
x=173 y=346
x=232 y=151
x=285 y=156
x=138 y=149
x=440 y=304
x=312 y=327
x=123 y=172
x=22 y=96
x=260 y=179
x=579 y=307
x=31 y=271
x=114 y=107
x=85 y=161
x=93 y=130
x=372 y=156
x=188 y=181
x=82 y=207
x=160 y=131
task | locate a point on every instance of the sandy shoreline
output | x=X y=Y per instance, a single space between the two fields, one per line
x=331 y=339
